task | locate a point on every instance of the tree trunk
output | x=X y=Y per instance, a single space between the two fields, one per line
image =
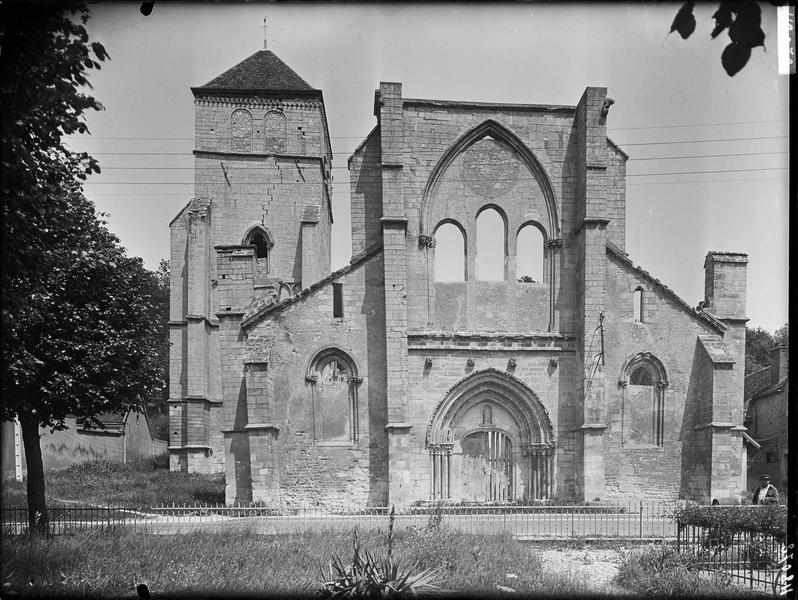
x=38 y=518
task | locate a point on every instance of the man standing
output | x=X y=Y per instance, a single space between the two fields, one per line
x=765 y=493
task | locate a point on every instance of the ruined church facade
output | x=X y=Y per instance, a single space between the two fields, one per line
x=418 y=372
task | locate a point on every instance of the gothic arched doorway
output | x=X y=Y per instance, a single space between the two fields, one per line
x=490 y=440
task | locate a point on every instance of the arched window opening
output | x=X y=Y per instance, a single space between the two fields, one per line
x=258 y=238
x=491 y=237
x=642 y=375
x=643 y=416
x=638 y=305
x=334 y=403
x=449 y=253
x=241 y=130
x=529 y=255
x=274 y=131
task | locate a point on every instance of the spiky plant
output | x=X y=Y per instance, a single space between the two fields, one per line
x=368 y=576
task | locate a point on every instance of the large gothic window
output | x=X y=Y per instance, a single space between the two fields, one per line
x=334 y=397
x=643 y=416
x=241 y=130
x=450 y=264
x=491 y=236
x=529 y=254
x=274 y=131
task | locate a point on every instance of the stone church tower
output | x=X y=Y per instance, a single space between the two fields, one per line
x=490 y=339
x=257 y=228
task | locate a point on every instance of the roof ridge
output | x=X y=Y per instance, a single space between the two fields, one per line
x=355 y=261
x=623 y=258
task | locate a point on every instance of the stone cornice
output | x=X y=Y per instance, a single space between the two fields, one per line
x=459 y=341
x=547 y=108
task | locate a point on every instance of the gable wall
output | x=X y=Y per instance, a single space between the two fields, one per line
x=670 y=334
x=328 y=473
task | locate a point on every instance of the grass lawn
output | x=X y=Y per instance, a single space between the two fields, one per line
x=112 y=564
x=136 y=484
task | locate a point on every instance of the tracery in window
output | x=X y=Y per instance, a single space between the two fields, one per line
x=274 y=131
x=241 y=130
x=334 y=388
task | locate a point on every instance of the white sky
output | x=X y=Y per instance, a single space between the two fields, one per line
x=666 y=90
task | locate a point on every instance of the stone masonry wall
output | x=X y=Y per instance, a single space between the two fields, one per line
x=365 y=185
x=669 y=333
x=469 y=183
x=313 y=473
x=428 y=387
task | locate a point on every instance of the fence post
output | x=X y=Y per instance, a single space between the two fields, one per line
x=641 y=519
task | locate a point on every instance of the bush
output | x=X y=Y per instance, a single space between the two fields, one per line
x=664 y=572
x=769 y=519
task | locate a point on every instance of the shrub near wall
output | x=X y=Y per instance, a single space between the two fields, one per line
x=769 y=519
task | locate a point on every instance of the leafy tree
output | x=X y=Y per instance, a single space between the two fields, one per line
x=78 y=333
x=157 y=403
x=758 y=343
x=742 y=20
x=782 y=335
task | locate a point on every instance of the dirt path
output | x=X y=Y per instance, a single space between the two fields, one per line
x=592 y=568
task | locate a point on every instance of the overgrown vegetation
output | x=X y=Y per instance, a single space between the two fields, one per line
x=661 y=571
x=240 y=563
x=768 y=519
x=114 y=484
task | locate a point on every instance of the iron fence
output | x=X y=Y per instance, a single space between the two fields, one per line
x=753 y=559
x=641 y=520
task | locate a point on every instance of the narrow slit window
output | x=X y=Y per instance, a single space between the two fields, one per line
x=638 y=305
x=338 y=300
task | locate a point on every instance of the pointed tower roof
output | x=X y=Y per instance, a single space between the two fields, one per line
x=261 y=72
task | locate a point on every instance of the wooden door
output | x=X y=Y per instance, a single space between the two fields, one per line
x=487 y=473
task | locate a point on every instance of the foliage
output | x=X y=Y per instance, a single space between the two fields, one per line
x=143 y=483
x=157 y=402
x=760 y=554
x=767 y=519
x=662 y=571
x=758 y=343
x=43 y=63
x=240 y=563
x=743 y=20
x=370 y=577
x=80 y=328
x=782 y=335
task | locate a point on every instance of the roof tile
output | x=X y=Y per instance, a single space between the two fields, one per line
x=262 y=72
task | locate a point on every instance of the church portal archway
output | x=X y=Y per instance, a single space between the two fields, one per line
x=490 y=439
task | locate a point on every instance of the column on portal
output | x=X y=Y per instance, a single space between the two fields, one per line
x=388 y=109
x=592 y=221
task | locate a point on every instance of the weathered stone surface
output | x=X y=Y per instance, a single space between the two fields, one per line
x=378 y=384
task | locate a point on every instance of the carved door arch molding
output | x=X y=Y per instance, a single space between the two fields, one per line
x=519 y=440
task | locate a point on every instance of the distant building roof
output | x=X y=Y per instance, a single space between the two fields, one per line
x=261 y=72
x=111 y=421
x=756 y=382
